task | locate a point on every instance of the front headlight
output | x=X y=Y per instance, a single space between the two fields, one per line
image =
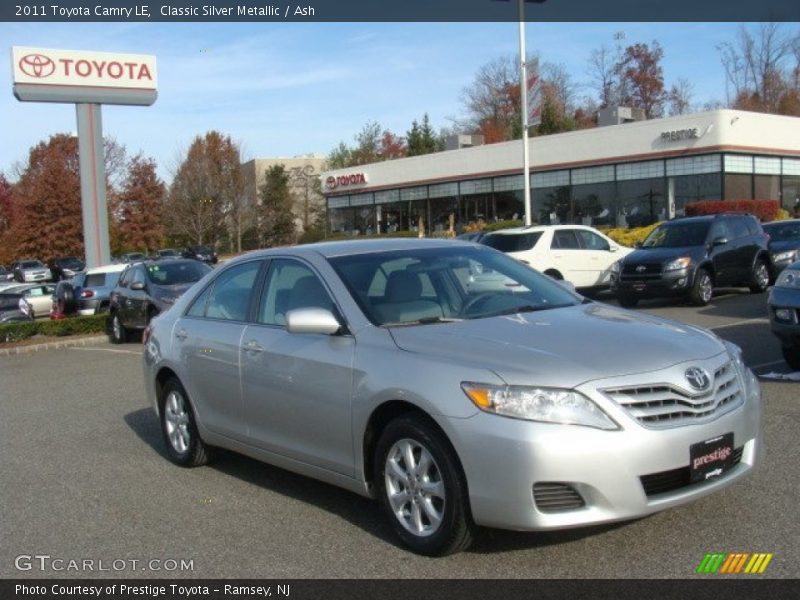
x=679 y=263
x=790 y=278
x=788 y=256
x=617 y=266
x=548 y=405
x=752 y=387
x=24 y=307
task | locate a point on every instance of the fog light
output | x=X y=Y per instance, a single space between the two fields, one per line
x=784 y=314
x=681 y=282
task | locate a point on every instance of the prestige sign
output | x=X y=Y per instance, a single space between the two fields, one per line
x=47 y=75
x=679 y=134
x=349 y=179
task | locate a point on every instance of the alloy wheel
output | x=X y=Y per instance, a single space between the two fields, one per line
x=176 y=419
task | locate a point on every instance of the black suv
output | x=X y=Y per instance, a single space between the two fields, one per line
x=690 y=256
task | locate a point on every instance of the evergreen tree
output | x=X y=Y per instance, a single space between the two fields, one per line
x=276 y=222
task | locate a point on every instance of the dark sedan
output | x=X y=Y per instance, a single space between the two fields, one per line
x=784 y=243
x=66 y=267
x=784 y=313
x=147 y=288
x=203 y=253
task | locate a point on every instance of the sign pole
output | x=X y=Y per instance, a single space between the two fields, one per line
x=91 y=156
x=523 y=88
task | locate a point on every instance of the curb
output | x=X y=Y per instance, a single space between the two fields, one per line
x=52 y=345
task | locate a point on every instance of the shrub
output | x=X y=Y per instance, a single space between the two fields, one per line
x=496 y=225
x=14 y=332
x=764 y=210
x=782 y=215
x=629 y=237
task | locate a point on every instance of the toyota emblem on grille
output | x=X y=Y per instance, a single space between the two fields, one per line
x=37 y=65
x=698 y=378
x=641 y=269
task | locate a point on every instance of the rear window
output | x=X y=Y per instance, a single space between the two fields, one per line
x=95 y=280
x=177 y=272
x=511 y=242
x=30 y=264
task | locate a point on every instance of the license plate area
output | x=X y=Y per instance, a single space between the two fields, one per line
x=711 y=458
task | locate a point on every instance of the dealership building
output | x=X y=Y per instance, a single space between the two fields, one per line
x=625 y=175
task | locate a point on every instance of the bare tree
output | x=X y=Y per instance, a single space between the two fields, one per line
x=492 y=101
x=680 y=97
x=603 y=71
x=563 y=89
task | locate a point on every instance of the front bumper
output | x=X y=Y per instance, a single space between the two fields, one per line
x=668 y=284
x=787 y=329
x=505 y=458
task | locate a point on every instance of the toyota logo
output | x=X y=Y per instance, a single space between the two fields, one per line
x=641 y=269
x=698 y=378
x=37 y=65
x=331 y=182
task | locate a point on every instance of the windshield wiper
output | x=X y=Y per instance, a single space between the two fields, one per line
x=525 y=308
x=422 y=321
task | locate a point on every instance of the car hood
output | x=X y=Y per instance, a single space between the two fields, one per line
x=660 y=255
x=562 y=347
x=171 y=291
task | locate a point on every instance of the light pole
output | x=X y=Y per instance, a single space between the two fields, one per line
x=523 y=89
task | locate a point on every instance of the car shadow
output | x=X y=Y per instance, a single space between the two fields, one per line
x=357 y=510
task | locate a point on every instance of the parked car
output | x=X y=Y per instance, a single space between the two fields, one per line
x=577 y=253
x=5 y=275
x=369 y=365
x=88 y=293
x=165 y=253
x=130 y=257
x=38 y=297
x=690 y=256
x=472 y=236
x=66 y=267
x=784 y=244
x=784 y=313
x=13 y=308
x=146 y=289
x=26 y=271
x=203 y=253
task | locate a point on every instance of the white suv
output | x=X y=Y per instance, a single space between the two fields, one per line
x=579 y=254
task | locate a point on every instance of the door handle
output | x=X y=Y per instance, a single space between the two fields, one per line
x=254 y=347
x=181 y=334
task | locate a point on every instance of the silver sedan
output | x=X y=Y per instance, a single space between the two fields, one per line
x=379 y=366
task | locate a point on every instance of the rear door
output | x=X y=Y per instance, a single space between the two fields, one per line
x=595 y=258
x=725 y=256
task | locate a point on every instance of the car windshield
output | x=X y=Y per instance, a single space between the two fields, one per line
x=677 y=235
x=783 y=232
x=434 y=285
x=168 y=252
x=70 y=263
x=133 y=256
x=200 y=249
x=31 y=264
x=511 y=242
x=173 y=273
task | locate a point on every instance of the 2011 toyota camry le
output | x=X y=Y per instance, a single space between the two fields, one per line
x=454 y=384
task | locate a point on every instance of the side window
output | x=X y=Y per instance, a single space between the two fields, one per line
x=753 y=226
x=125 y=278
x=592 y=241
x=565 y=239
x=290 y=285
x=721 y=230
x=230 y=295
x=138 y=275
x=198 y=307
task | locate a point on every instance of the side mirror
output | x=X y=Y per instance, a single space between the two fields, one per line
x=312 y=320
x=613 y=248
x=137 y=285
x=719 y=241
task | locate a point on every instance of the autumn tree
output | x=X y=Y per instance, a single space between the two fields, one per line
x=642 y=79
x=275 y=219
x=139 y=206
x=6 y=218
x=373 y=144
x=206 y=199
x=47 y=197
x=421 y=137
x=492 y=101
x=762 y=69
x=391 y=146
x=679 y=97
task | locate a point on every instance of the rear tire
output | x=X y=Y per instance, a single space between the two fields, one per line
x=702 y=288
x=422 y=489
x=184 y=445
x=65 y=298
x=759 y=278
x=791 y=354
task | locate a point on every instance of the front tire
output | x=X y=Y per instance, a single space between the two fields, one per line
x=702 y=288
x=184 y=446
x=421 y=488
x=759 y=278
x=118 y=333
x=791 y=354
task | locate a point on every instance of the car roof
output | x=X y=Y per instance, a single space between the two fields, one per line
x=113 y=268
x=538 y=228
x=351 y=247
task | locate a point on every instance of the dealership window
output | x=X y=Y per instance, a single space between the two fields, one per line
x=550 y=179
x=419 y=192
x=694 y=165
x=650 y=169
x=341 y=220
x=475 y=201
x=593 y=204
x=691 y=188
x=508 y=183
x=735 y=163
x=641 y=202
x=508 y=206
x=550 y=204
x=592 y=175
x=767 y=165
x=766 y=187
x=790 y=191
x=738 y=186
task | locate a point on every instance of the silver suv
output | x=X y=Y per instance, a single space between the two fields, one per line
x=378 y=367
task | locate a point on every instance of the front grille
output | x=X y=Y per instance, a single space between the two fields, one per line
x=659 y=406
x=556 y=497
x=649 y=269
x=668 y=481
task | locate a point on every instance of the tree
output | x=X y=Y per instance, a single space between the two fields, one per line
x=6 y=218
x=373 y=144
x=758 y=69
x=421 y=138
x=340 y=157
x=47 y=221
x=140 y=206
x=492 y=101
x=642 y=79
x=206 y=199
x=391 y=146
x=603 y=71
x=680 y=97
x=276 y=223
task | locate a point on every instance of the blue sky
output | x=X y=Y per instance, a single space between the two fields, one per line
x=294 y=88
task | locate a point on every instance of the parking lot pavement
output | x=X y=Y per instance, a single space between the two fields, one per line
x=85 y=477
